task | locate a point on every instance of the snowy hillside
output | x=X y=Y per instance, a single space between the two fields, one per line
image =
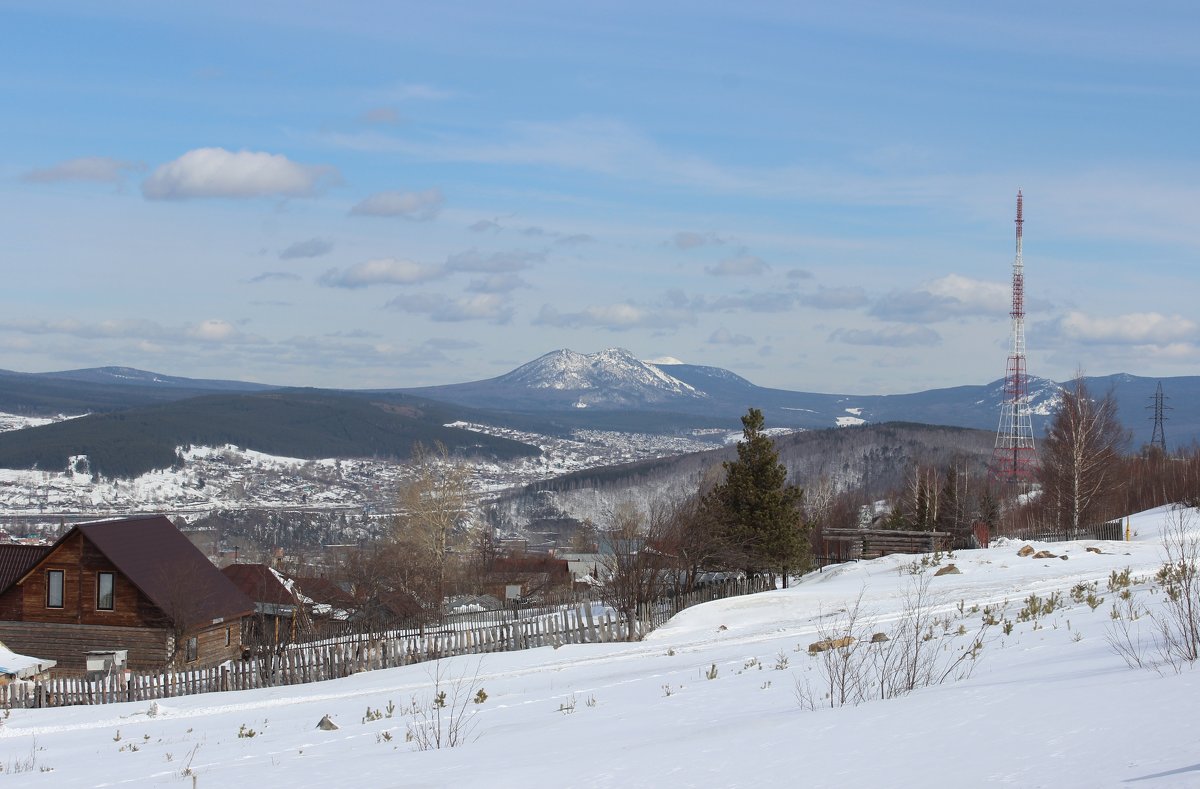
x=711 y=699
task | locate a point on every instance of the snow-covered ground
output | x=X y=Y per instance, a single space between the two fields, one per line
x=1048 y=704
x=230 y=477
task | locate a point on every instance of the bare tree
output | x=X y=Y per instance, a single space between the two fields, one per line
x=1080 y=460
x=637 y=571
x=433 y=510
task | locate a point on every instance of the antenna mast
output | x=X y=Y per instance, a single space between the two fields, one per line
x=1014 y=455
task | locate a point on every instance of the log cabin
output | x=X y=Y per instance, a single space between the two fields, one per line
x=135 y=584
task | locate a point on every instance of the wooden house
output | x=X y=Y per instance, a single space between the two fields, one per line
x=531 y=575
x=135 y=584
x=280 y=614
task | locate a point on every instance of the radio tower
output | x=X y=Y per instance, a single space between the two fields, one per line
x=1014 y=455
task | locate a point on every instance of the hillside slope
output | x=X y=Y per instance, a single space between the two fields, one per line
x=1048 y=704
x=292 y=423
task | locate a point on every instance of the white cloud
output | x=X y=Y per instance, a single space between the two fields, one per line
x=974 y=295
x=416 y=91
x=97 y=169
x=739 y=266
x=472 y=260
x=686 y=239
x=496 y=283
x=143 y=331
x=763 y=301
x=842 y=298
x=383 y=116
x=614 y=317
x=417 y=206
x=575 y=239
x=312 y=248
x=723 y=336
x=216 y=172
x=952 y=296
x=1137 y=328
x=274 y=276
x=888 y=336
x=482 y=307
x=212 y=330
x=384 y=271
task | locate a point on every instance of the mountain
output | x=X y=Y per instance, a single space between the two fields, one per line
x=555 y=394
x=102 y=389
x=132 y=377
x=563 y=379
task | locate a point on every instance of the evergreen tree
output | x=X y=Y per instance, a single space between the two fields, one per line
x=758 y=512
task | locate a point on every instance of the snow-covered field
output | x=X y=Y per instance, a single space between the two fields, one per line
x=1048 y=704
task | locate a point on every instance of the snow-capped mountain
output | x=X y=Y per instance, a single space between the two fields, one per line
x=610 y=379
x=614 y=371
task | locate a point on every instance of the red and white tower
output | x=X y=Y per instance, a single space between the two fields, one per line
x=1014 y=456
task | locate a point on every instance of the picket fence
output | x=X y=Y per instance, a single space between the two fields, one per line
x=300 y=664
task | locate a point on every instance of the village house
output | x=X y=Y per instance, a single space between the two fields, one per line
x=135 y=584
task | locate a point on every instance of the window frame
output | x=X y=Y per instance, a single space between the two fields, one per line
x=191 y=649
x=62 y=589
x=112 y=591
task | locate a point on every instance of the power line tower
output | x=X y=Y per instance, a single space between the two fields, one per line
x=1159 y=406
x=1014 y=455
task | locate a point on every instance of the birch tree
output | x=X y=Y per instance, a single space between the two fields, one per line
x=1080 y=460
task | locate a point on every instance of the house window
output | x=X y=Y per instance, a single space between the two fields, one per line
x=105 y=583
x=193 y=648
x=54 y=588
x=228 y=636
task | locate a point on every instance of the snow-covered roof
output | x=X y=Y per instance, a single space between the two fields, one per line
x=22 y=666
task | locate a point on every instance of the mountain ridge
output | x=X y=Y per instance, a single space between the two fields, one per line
x=563 y=391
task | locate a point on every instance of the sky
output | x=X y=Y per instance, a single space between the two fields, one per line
x=817 y=196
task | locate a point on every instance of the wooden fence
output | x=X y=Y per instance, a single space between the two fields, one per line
x=299 y=664
x=844 y=545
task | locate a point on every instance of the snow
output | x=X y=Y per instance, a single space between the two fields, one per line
x=850 y=421
x=17 y=422
x=21 y=666
x=613 y=372
x=1049 y=706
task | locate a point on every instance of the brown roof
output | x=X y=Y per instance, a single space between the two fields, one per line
x=160 y=561
x=259 y=583
x=16 y=560
x=322 y=590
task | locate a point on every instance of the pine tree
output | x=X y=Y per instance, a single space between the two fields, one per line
x=758 y=512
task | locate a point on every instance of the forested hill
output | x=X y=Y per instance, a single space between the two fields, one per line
x=869 y=458
x=293 y=423
x=102 y=389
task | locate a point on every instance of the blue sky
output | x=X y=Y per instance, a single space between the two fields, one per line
x=816 y=196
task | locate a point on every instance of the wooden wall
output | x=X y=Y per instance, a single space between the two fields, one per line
x=81 y=563
x=67 y=644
